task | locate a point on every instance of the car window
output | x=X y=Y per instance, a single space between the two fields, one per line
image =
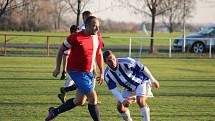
x=207 y=31
x=213 y=32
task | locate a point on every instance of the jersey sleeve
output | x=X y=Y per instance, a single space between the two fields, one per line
x=139 y=66
x=68 y=42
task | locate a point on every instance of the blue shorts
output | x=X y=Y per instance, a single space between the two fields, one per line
x=83 y=80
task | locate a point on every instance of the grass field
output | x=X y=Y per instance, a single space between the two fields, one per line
x=187 y=91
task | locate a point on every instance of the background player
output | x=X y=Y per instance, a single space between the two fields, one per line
x=69 y=85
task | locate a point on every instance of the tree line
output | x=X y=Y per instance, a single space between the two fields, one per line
x=37 y=15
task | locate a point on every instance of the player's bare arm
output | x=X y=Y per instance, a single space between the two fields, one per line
x=58 y=60
x=99 y=60
x=155 y=83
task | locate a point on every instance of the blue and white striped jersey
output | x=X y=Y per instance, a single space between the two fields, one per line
x=129 y=74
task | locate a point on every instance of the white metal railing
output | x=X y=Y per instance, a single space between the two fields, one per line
x=210 y=40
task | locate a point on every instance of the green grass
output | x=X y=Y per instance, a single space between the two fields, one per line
x=187 y=91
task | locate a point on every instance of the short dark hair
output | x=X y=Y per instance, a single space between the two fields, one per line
x=73 y=28
x=106 y=54
x=86 y=13
x=89 y=19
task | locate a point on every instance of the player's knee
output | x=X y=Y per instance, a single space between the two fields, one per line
x=92 y=101
x=79 y=102
x=141 y=101
x=92 y=98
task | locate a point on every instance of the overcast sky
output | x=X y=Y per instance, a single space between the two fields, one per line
x=204 y=13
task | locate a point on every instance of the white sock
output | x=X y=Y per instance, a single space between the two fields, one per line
x=126 y=116
x=145 y=113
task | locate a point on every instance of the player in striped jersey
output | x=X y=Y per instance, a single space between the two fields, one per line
x=136 y=80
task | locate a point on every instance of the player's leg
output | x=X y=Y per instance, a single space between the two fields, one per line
x=143 y=91
x=144 y=108
x=63 y=75
x=69 y=86
x=124 y=112
x=68 y=105
x=84 y=82
x=93 y=106
x=62 y=95
x=91 y=96
x=73 y=102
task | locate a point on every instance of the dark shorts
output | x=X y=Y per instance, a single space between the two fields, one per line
x=83 y=81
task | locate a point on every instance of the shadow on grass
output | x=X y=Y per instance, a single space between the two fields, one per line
x=188 y=95
x=26 y=78
x=191 y=80
x=190 y=70
x=26 y=69
x=168 y=115
x=27 y=103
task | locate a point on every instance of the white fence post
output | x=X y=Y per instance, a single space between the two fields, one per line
x=129 y=46
x=170 y=48
x=184 y=44
x=210 y=48
x=141 y=46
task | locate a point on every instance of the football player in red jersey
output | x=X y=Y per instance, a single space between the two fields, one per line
x=85 y=48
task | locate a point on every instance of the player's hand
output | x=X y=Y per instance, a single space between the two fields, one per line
x=132 y=99
x=95 y=76
x=100 y=79
x=55 y=72
x=155 y=84
x=127 y=102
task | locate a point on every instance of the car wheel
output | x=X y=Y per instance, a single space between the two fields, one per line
x=198 y=47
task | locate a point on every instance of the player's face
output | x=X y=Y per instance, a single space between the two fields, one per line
x=93 y=27
x=111 y=61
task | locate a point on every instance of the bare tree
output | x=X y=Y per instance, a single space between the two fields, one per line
x=36 y=15
x=59 y=8
x=4 y=4
x=8 y=5
x=154 y=9
x=9 y=8
x=77 y=6
x=173 y=17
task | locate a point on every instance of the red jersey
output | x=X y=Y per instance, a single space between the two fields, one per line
x=83 y=51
